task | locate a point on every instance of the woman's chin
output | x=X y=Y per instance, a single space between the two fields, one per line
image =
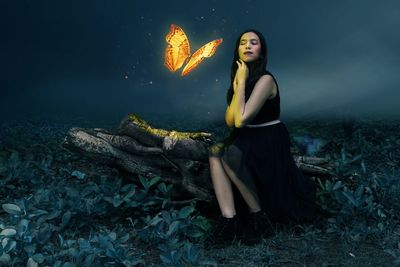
x=248 y=60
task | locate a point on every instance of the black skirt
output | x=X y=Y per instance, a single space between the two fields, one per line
x=261 y=159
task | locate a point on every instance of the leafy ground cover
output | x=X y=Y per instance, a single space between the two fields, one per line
x=59 y=209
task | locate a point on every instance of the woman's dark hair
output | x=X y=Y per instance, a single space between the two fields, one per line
x=256 y=68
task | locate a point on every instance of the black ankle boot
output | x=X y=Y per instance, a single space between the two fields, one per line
x=257 y=226
x=225 y=232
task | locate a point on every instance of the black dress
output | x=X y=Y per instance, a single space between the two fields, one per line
x=261 y=159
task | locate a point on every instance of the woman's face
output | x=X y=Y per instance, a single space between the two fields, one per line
x=249 y=47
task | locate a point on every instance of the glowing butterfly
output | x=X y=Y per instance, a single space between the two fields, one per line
x=178 y=51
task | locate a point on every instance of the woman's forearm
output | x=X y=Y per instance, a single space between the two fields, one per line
x=229 y=116
x=234 y=112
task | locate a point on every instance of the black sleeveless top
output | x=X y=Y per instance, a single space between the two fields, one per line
x=270 y=110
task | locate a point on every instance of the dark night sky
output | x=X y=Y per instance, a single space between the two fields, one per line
x=105 y=58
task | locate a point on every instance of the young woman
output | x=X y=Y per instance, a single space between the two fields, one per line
x=255 y=159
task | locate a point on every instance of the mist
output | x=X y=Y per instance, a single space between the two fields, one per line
x=100 y=59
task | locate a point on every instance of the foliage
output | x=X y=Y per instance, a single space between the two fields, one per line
x=56 y=212
x=360 y=207
x=56 y=223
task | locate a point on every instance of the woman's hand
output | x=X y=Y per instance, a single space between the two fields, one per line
x=242 y=72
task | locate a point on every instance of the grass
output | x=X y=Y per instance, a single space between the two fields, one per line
x=32 y=160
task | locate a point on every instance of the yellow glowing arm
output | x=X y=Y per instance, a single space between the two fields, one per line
x=238 y=97
x=229 y=116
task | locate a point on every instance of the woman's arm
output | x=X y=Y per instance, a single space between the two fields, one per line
x=244 y=112
x=229 y=114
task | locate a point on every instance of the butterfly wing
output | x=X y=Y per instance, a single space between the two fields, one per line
x=206 y=50
x=178 y=49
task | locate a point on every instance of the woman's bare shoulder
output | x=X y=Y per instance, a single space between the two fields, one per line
x=268 y=78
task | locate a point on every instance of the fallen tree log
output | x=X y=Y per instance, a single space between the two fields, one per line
x=180 y=158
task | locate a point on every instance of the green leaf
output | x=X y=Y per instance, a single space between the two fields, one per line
x=173 y=227
x=31 y=263
x=355 y=158
x=10 y=246
x=84 y=245
x=65 y=218
x=5 y=259
x=144 y=181
x=30 y=249
x=39 y=258
x=8 y=232
x=165 y=259
x=22 y=227
x=175 y=255
x=124 y=238
x=202 y=222
x=130 y=193
x=117 y=200
x=364 y=169
x=134 y=204
x=209 y=263
x=37 y=213
x=169 y=187
x=321 y=185
x=78 y=174
x=112 y=236
x=195 y=233
x=337 y=185
x=155 y=221
x=12 y=209
x=61 y=239
x=133 y=262
x=185 y=212
x=154 y=180
x=359 y=192
x=110 y=252
x=165 y=201
x=343 y=154
x=350 y=198
x=44 y=234
x=89 y=260
x=162 y=187
x=192 y=252
x=73 y=252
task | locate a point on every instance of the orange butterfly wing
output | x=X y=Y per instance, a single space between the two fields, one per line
x=206 y=50
x=178 y=49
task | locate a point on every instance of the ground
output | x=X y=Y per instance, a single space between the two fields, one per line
x=33 y=161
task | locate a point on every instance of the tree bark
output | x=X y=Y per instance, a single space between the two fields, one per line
x=180 y=158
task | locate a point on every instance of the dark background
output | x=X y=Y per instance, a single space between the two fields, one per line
x=105 y=59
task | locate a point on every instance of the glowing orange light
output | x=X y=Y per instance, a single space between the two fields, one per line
x=178 y=51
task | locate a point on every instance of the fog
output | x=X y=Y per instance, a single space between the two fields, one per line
x=103 y=59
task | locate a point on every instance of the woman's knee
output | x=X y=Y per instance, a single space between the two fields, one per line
x=214 y=160
x=216 y=150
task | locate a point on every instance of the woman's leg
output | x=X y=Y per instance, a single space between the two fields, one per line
x=222 y=187
x=248 y=197
x=222 y=175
